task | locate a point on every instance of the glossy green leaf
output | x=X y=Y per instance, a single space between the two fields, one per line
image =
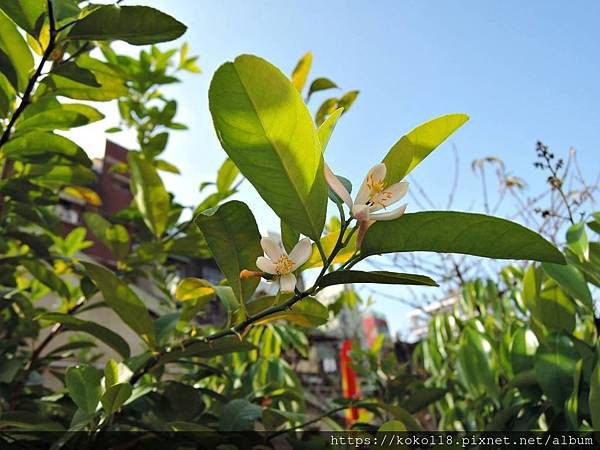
x=202 y=349
x=458 y=232
x=226 y=175
x=415 y=146
x=266 y=129
x=239 y=415
x=474 y=364
x=557 y=311
x=15 y=58
x=61 y=117
x=234 y=240
x=46 y=276
x=83 y=384
x=28 y=14
x=422 y=398
x=308 y=312
x=300 y=73
x=555 y=361
x=193 y=288
x=114 y=237
x=28 y=421
x=137 y=25
x=230 y=303
x=60 y=175
x=577 y=240
x=36 y=145
x=115 y=396
x=111 y=373
x=378 y=277
x=328 y=107
x=109 y=337
x=594 y=400
x=325 y=130
x=522 y=350
x=89 y=79
x=289 y=236
x=347 y=100
x=149 y=194
x=123 y=301
x=320 y=84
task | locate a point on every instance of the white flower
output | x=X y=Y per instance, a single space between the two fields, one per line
x=372 y=196
x=281 y=265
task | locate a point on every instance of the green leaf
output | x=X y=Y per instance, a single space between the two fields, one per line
x=320 y=84
x=46 y=276
x=522 y=350
x=266 y=129
x=109 y=337
x=556 y=310
x=202 y=349
x=89 y=79
x=308 y=312
x=156 y=145
x=239 y=415
x=328 y=107
x=233 y=238
x=111 y=373
x=594 y=401
x=347 y=100
x=115 y=396
x=149 y=194
x=415 y=146
x=26 y=420
x=28 y=14
x=379 y=277
x=571 y=280
x=61 y=117
x=137 y=25
x=15 y=58
x=114 y=237
x=422 y=398
x=226 y=175
x=74 y=72
x=577 y=240
x=230 y=302
x=325 y=130
x=300 y=73
x=458 y=232
x=474 y=364
x=289 y=236
x=193 y=288
x=37 y=145
x=83 y=384
x=555 y=361
x=123 y=301
x=60 y=175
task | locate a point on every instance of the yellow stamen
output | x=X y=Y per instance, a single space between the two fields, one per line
x=284 y=265
x=377 y=193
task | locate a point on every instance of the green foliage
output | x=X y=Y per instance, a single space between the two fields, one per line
x=189 y=372
x=455 y=232
x=266 y=130
x=232 y=235
x=137 y=25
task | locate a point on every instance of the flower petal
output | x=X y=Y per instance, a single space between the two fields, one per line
x=336 y=186
x=287 y=283
x=266 y=265
x=360 y=211
x=301 y=252
x=377 y=173
x=271 y=247
x=398 y=191
x=389 y=215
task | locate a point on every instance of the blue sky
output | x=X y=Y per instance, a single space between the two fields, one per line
x=523 y=71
